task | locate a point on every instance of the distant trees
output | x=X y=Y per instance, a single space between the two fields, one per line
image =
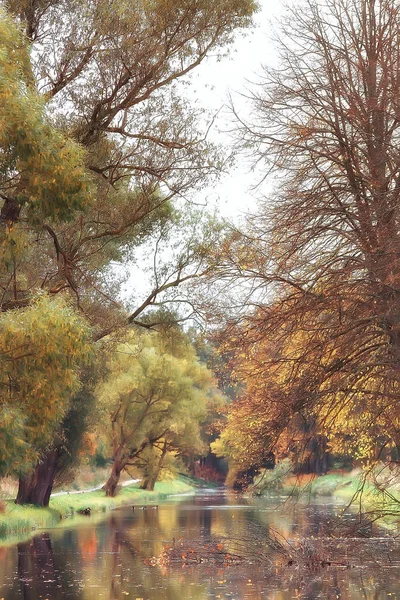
x=323 y=251
x=154 y=399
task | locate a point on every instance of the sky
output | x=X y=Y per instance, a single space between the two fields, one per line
x=212 y=84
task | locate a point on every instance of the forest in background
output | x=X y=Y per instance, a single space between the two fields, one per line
x=277 y=342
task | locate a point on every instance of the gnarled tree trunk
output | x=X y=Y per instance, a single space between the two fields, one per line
x=36 y=487
x=111 y=484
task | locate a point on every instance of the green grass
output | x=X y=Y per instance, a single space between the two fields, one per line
x=23 y=520
x=333 y=483
x=352 y=489
x=343 y=485
x=18 y=522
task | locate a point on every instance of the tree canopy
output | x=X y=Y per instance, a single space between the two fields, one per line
x=322 y=339
x=42 y=350
x=40 y=168
x=156 y=391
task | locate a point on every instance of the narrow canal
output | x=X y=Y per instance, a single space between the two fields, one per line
x=115 y=556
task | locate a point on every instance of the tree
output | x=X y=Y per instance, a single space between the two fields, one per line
x=119 y=79
x=181 y=441
x=107 y=76
x=42 y=349
x=263 y=425
x=323 y=252
x=116 y=76
x=153 y=396
x=138 y=159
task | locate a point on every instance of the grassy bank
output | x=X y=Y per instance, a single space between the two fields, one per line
x=339 y=484
x=19 y=521
x=378 y=496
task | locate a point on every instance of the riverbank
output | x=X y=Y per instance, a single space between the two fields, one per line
x=17 y=521
x=377 y=496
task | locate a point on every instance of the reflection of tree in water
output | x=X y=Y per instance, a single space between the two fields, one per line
x=205 y=522
x=40 y=572
x=119 y=543
x=107 y=558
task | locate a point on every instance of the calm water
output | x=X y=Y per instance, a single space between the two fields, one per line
x=105 y=557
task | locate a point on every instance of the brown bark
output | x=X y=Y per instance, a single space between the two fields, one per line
x=150 y=480
x=110 y=487
x=36 y=487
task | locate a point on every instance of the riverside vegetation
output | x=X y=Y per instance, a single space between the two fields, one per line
x=18 y=522
x=275 y=341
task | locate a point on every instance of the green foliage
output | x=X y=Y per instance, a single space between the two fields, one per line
x=51 y=179
x=12 y=436
x=150 y=389
x=273 y=479
x=156 y=393
x=41 y=350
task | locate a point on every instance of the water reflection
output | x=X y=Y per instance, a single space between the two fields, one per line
x=40 y=571
x=106 y=559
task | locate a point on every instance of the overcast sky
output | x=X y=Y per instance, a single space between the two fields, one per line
x=213 y=82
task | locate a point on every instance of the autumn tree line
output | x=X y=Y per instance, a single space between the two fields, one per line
x=101 y=153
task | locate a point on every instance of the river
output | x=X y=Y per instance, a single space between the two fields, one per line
x=116 y=556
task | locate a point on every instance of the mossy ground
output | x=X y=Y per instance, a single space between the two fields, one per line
x=19 y=521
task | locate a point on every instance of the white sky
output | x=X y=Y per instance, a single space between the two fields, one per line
x=213 y=82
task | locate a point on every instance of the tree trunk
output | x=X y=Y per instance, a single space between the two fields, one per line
x=36 y=487
x=120 y=462
x=111 y=484
x=150 y=480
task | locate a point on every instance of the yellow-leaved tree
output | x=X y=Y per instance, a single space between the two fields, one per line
x=40 y=168
x=154 y=399
x=42 y=349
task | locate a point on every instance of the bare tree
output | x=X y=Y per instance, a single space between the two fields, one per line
x=326 y=244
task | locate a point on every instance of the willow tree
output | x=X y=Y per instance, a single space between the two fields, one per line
x=42 y=350
x=326 y=245
x=154 y=395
